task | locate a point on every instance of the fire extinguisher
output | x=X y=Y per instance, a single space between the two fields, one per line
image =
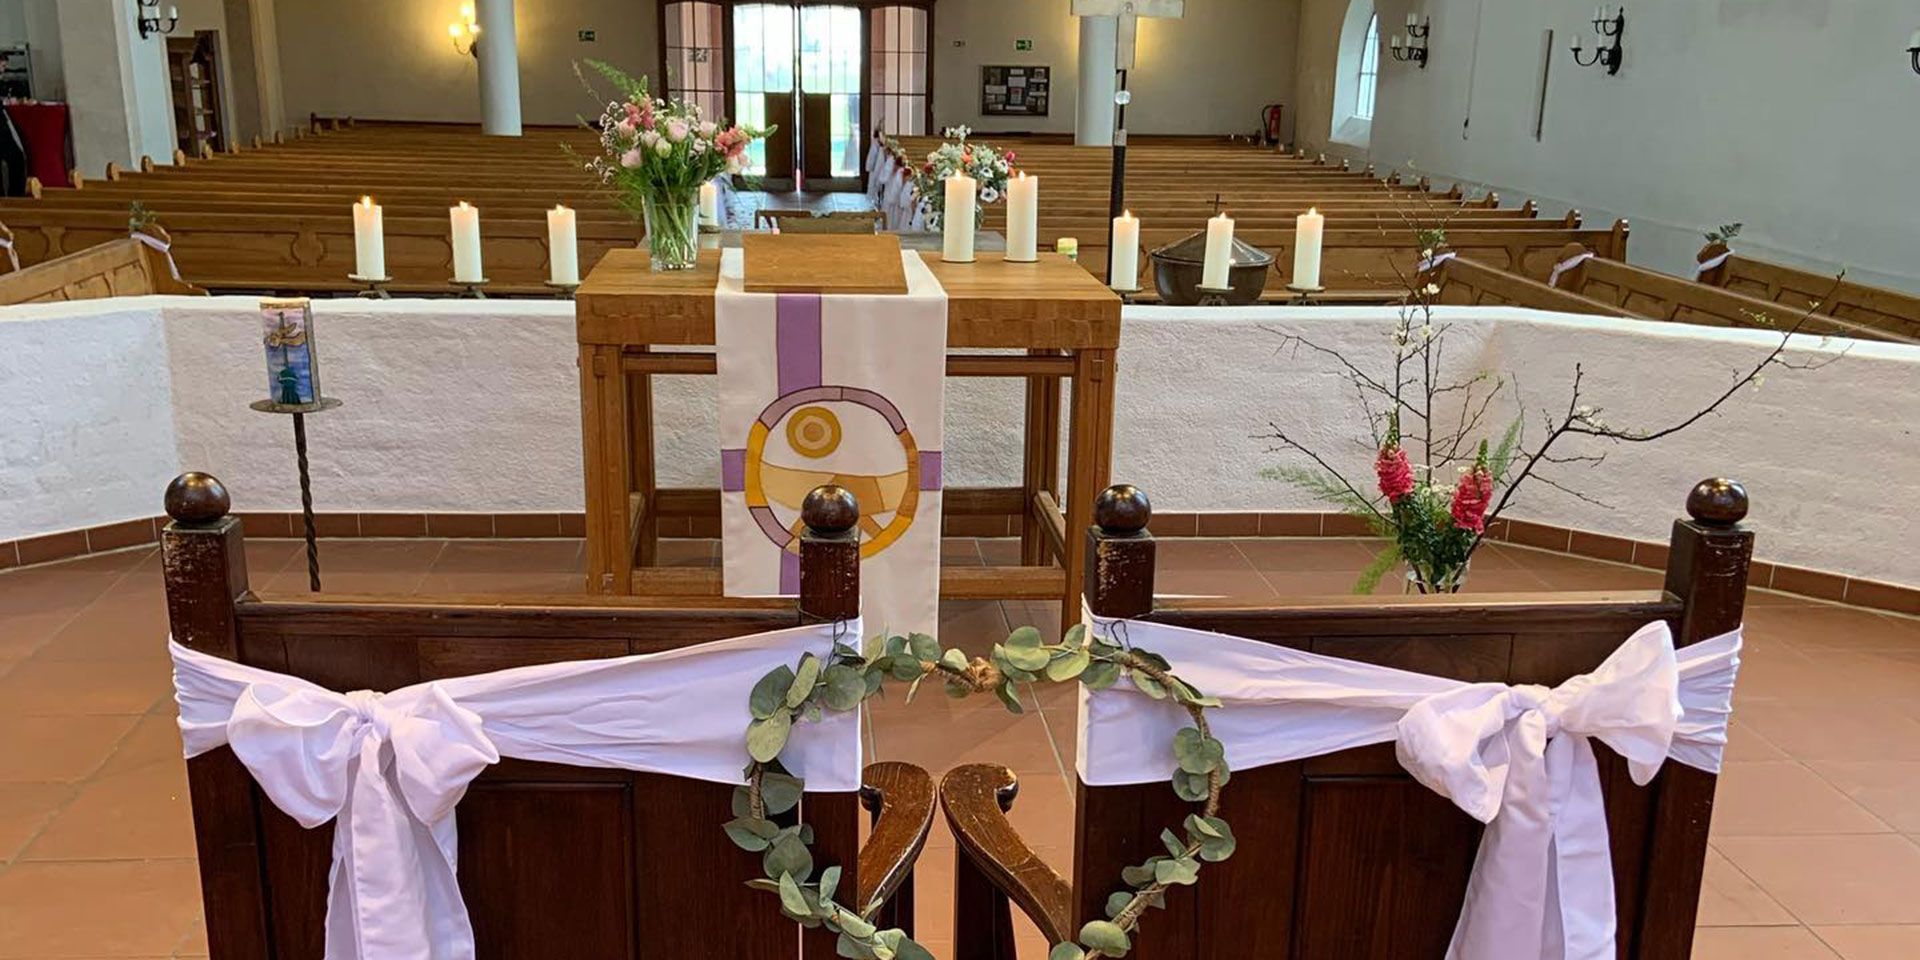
x=1270 y=122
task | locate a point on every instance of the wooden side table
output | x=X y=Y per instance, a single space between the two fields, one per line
x=1065 y=320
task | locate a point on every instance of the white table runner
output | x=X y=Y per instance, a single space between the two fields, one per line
x=834 y=389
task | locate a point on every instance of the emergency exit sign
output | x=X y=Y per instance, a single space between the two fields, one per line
x=1023 y=44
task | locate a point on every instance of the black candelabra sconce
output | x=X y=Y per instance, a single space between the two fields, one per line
x=152 y=23
x=1913 y=50
x=1411 y=47
x=1608 y=25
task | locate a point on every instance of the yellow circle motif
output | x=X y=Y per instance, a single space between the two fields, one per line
x=813 y=432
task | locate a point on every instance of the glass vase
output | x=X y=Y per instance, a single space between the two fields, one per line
x=1438 y=581
x=673 y=228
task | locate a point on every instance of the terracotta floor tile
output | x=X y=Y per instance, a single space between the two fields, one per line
x=1835 y=879
x=495 y=566
x=1306 y=555
x=1207 y=568
x=1834 y=731
x=961 y=552
x=1758 y=943
x=58 y=748
x=1729 y=898
x=1818 y=627
x=44 y=687
x=1891 y=789
x=25 y=808
x=127 y=624
x=1873 y=942
x=999 y=551
x=362 y=566
x=1784 y=799
x=143 y=812
x=1744 y=744
x=678 y=553
x=121 y=908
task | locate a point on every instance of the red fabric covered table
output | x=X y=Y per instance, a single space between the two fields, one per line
x=43 y=128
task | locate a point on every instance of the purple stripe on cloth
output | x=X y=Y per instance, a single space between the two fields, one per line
x=789 y=573
x=797 y=340
x=733 y=470
x=880 y=405
x=929 y=469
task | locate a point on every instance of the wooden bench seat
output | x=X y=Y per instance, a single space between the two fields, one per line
x=1893 y=311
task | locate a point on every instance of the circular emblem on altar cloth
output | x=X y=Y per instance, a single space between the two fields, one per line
x=829 y=434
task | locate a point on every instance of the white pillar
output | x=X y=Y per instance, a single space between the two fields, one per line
x=1093 y=116
x=117 y=86
x=499 y=69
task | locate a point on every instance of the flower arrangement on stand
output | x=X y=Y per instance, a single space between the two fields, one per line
x=1436 y=511
x=989 y=168
x=655 y=154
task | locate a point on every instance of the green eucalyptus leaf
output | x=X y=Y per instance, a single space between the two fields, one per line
x=1030 y=659
x=761 y=883
x=1117 y=902
x=780 y=792
x=1155 y=659
x=1148 y=685
x=1076 y=636
x=1219 y=846
x=909 y=950
x=1190 y=787
x=790 y=898
x=845 y=687
x=1067 y=667
x=1196 y=752
x=766 y=738
x=844 y=651
x=905 y=668
x=1066 y=951
x=1009 y=696
x=1024 y=638
x=954 y=659
x=1200 y=826
x=1106 y=937
x=829 y=881
x=925 y=648
x=742 y=801
x=1172 y=842
x=769 y=692
x=874 y=647
x=849 y=946
x=874 y=679
x=814 y=712
x=803 y=681
x=1139 y=876
x=1100 y=675
x=1179 y=870
x=749 y=834
x=855 y=924
x=788 y=856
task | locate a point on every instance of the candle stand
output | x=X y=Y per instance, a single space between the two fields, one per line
x=1127 y=293
x=1305 y=296
x=562 y=291
x=299 y=413
x=1214 y=296
x=471 y=289
x=376 y=287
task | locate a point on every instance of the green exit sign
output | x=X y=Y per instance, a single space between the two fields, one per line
x=1023 y=44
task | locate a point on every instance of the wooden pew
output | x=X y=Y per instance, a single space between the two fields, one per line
x=1876 y=307
x=1465 y=282
x=1345 y=855
x=122 y=267
x=555 y=861
x=1661 y=296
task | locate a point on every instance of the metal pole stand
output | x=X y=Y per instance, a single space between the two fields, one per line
x=1305 y=296
x=1214 y=296
x=471 y=289
x=299 y=412
x=376 y=287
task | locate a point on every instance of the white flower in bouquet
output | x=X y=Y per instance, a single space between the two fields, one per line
x=676 y=130
x=631 y=158
x=989 y=195
x=707 y=129
x=662 y=147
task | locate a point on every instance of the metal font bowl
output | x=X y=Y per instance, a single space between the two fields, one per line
x=1177 y=267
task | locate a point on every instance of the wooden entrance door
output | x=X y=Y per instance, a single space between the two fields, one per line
x=193 y=66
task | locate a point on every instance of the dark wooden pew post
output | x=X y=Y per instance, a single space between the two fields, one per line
x=1707 y=569
x=1120 y=554
x=206 y=571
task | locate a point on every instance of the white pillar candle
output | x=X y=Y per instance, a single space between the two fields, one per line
x=1126 y=252
x=1219 y=252
x=1309 y=229
x=369 y=240
x=563 y=246
x=1913 y=42
x=1023 y=219
x=1396 y=41
x=466 y=243
x=957 y=224
x=710 y=204
x=1412 y=21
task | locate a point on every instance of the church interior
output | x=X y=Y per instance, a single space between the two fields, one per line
x=474 y=479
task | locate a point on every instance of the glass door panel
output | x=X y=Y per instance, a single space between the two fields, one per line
x=899 y=60
x=763 y=56
x=830 y=65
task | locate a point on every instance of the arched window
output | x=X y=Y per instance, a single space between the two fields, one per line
x=1369 y=71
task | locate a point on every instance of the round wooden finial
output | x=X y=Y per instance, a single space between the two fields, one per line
x=829 y=509
x=197 y=499
x=1717 y=502
x=1122 y=508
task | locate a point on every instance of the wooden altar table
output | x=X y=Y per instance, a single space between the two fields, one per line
x=1066 y=322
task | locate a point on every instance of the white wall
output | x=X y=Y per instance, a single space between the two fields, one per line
x=121 y=102
x=392 y=60
x=1794 y=116
x=103 y=401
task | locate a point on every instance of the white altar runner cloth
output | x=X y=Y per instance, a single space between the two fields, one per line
x=1517 y=758
x=389 y=768
x=834 y=389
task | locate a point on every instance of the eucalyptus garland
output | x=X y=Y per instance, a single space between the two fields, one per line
x=847 y=677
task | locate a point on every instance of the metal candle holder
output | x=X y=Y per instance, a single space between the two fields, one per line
x=376 y=287
x=471 y=289
x=562 y=291
x=299 y=413
x=1608 y=28
x=1305 y=296
x=1407 y=51
x=1213 y=296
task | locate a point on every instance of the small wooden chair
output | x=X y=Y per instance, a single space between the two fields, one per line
x=777 y=219
x=1345 y=855
x=555 y=861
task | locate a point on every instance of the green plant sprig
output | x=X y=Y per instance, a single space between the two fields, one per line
x=847 y=678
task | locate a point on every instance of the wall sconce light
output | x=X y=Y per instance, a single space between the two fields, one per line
x=465 y=32
x=1608 y=24
x=1411 y=47
x=152 y=24
x=1913 y=50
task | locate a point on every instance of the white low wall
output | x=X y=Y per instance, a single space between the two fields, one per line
x=462 y=406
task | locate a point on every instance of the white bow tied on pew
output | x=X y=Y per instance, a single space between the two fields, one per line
x=389 y=769
x=1517 y=758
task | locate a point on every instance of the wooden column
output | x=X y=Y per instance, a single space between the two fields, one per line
x=1041 y=462
x=1089 y=459
x=1707 y=569
x=830 y=592
x=205 y=567
x=604 y=449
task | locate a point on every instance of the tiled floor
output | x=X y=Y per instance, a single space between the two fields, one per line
x=1816 y=849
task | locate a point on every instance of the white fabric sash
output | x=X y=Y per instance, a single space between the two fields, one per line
x=1569 y=263
x=13 y=256
x=1434 y=261
x=389 y=769
x=1517 y=758
x=166 y=250
x=1710 y=264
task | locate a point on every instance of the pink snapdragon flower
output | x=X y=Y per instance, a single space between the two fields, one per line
x=732 y=142
x=1394 y=471
x=1472 y=497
